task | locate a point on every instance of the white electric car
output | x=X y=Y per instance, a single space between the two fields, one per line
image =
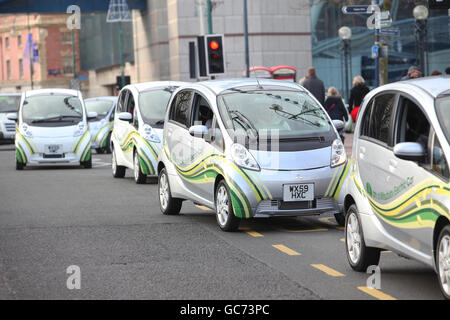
x=52 y=128
x=138 y=126
x=102 y=126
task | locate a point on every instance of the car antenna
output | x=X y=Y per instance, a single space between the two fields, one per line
x=259 y=84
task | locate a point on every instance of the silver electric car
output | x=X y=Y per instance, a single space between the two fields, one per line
x=249 y=148
x=398 y=191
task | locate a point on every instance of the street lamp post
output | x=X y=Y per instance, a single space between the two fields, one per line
x=345 y=33
x=420 y=13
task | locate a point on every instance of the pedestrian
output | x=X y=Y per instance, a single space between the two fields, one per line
x=436 y=73
x=413 y=72
x=336 y=108
x=314 y=85
x=357 y=93
x=447 y=71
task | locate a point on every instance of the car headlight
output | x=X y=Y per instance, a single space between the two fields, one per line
x=338 y=154
x=80 y=129
x=25 y=130
x=148 y=134
x=243 y=158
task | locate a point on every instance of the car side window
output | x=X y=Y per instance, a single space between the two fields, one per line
x=438 y=162
x=201 y=112
x=121 y=102
x=412 y=125
x=179 y=111
x=377 y=120
x=216 y=135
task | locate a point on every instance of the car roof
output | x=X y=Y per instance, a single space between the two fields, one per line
x=110 y=98
x=30 y=93
x=10 y=94
x=143 y=86
x=433 y=86
x=218 y=86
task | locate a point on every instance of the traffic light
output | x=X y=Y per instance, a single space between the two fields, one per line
x=439 y=4
x=215 y=60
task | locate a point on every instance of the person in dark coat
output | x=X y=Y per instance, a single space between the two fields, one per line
x=314 y=85
x=357 y=93
x=334 y=105
x=336 y=108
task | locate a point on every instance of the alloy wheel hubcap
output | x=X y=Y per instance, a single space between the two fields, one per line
x=163 y=191
x=136 y=166
x=222 y=205
x=444 y=263
x=353 y=238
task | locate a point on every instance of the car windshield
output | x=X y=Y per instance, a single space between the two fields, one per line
x=153 y=105
x=443 y=111
x=102 y=107
x=293 y=113
x=51 y=109
x=9 y=103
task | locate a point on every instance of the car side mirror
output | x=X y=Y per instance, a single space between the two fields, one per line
x=92 y=115
x=198 y=131
x=12 y=116
x=125 y=116
x=339 y=124
x=411 y=151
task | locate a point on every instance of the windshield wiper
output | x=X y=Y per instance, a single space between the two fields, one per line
x=245 y=123
x=58 y=118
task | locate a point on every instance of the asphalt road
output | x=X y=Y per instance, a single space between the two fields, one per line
x=54 y=217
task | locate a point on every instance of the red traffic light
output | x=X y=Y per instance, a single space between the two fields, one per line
x=214 y=45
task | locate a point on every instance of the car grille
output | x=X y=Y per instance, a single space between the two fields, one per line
x=10 y=127
x=53 y=156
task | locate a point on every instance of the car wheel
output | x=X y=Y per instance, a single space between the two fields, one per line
x=168 y=205
x=108 y=149
x=224 y=209
x=87 y=164
x=443 y=261
x=117 y=171
x=19 y=166
x=340 y=218
x=139 y=177
x=359 y=256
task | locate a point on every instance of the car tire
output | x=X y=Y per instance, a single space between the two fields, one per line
x=108 y=149
x=139 y=177
x=87 y=164
x=99 y=150
x=117 y=171
x=167 y=204
x=226 y=219
x=442 y=256
x=359 y=255
x=340 y=218
x=19 y=166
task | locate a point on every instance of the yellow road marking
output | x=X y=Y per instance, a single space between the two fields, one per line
x=340 y=228
x=309 y=230
x=286 y=250
x=387 y=251
x=328 y=270
x=376 y=293
x=254 y=233
x=342 y=240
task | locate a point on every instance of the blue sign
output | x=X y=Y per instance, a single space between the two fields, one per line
x=375 y=51
x=355 y=9
x=390 y=32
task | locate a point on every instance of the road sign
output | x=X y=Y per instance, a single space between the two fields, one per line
x=361 y=9
x=375 y=51
x=386 y=23
x=390 y=32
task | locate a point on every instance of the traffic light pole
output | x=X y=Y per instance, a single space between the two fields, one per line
x=209 y=10
x=247 y=54
x=122 y=63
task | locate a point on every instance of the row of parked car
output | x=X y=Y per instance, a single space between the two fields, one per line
x=250 y=148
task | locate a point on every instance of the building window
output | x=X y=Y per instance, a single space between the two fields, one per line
x=8 y=69
x=66 y=37
x=21 y=68
x=67 y=65
x=7 y=42
x=19 y=41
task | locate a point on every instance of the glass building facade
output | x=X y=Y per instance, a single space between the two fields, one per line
x=327 y=47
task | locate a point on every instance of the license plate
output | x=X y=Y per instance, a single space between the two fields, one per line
x=298 y=192
x=53 y=149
